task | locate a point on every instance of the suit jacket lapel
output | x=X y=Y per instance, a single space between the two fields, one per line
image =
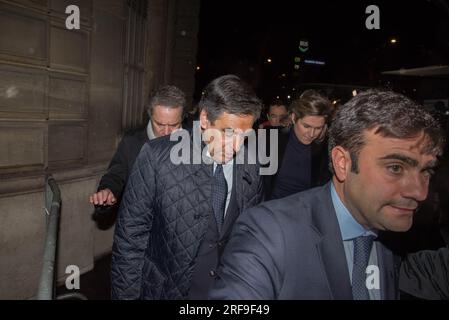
x=331 y=245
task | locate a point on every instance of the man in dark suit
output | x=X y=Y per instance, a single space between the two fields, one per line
x=321 y=243
x=165 y=109
x=176 y=216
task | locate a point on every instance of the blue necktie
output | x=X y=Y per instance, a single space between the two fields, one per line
x=219 y=194
x=362 y=251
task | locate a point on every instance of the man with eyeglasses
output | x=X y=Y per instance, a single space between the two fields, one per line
x=165 y=109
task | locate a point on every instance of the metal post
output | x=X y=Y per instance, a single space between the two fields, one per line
x=53 y=204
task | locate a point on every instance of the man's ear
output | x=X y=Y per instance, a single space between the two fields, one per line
x=341 y=162
x=204 y=122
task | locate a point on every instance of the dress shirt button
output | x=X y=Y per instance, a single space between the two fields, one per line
x=212 y=273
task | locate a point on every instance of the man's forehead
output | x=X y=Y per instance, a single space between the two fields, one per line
x=416 y=145
x=278 y=107
x=163 y=111
x=312 y=121
x=172 y=117
x=166 y=108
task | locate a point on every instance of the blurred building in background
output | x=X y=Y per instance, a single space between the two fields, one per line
x=65 y=98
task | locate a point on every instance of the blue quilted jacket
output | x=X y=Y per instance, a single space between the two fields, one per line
x=162 y=220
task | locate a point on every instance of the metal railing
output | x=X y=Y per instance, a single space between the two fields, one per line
x=52 y=209
x=47 y=287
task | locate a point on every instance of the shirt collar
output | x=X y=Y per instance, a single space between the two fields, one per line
x=349 y=227
x=150 y=132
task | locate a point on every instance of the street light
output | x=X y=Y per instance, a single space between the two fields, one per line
x=269 y=60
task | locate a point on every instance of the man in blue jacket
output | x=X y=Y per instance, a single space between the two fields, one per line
x=322 y=243
x=176 y=217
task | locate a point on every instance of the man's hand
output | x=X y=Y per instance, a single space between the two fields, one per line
x=103 y=197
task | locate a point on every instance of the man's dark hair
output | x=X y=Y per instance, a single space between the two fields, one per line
x=229 y=94
x=276 y=102
x=393 y=114
x=168 y=96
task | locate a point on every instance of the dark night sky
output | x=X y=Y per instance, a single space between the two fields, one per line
x=238 y=37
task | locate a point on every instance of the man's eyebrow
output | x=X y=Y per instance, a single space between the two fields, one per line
x=396 y=156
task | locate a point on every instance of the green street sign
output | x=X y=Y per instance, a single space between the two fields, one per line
x=303 y=45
